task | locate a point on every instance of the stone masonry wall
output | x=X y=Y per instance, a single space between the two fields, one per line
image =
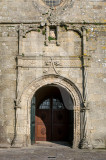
x=88 y=13
x=8 y=52
x=96 y=46
x=28 y=11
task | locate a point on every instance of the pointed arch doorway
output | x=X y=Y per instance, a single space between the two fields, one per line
x=52 y=116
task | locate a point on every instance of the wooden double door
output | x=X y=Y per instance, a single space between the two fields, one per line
x=51 y=121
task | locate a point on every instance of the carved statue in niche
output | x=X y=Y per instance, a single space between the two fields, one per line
x=52 y=33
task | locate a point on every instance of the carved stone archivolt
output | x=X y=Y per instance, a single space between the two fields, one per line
x=25 y=103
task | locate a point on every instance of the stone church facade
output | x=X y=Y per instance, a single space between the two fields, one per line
x=53 y=49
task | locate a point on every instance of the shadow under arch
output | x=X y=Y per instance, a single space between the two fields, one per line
x=24 y=103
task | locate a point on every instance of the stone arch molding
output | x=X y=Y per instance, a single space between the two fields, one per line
x=24 y=106
x=29 y=91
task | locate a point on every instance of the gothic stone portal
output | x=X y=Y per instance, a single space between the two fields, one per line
x=24 y=131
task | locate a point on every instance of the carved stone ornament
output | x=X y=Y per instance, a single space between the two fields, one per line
x=50 y=11
x=51 y=64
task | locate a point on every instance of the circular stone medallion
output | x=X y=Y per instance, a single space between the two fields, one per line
x=48 y=6
x=52 y=3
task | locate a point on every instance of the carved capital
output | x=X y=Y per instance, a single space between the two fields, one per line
x=16 y=104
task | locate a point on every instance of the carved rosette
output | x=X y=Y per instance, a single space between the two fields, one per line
x=51 y=13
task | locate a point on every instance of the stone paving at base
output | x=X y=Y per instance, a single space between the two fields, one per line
x=51 y=152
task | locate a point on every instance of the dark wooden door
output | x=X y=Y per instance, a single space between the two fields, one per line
x=51 y=121
x=59 y=121
x=43 y=121
x=43 y=125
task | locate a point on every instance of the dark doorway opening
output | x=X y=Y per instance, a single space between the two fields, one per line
x=52 y=115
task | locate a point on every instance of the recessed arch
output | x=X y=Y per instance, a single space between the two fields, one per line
x=35 y=84
x=24 y=104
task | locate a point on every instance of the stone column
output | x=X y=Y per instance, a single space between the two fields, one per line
x=57 y=34
x=47 y=34
x=76 y=127
x=22 y=135
x=84 y=142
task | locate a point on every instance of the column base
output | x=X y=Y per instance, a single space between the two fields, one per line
x=20 y=141
x=84 y=144
x=17 y=142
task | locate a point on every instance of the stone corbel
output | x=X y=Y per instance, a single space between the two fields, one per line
x=16 y=104
x=86 y=60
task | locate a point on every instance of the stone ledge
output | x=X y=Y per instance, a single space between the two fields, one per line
x=5 y=145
